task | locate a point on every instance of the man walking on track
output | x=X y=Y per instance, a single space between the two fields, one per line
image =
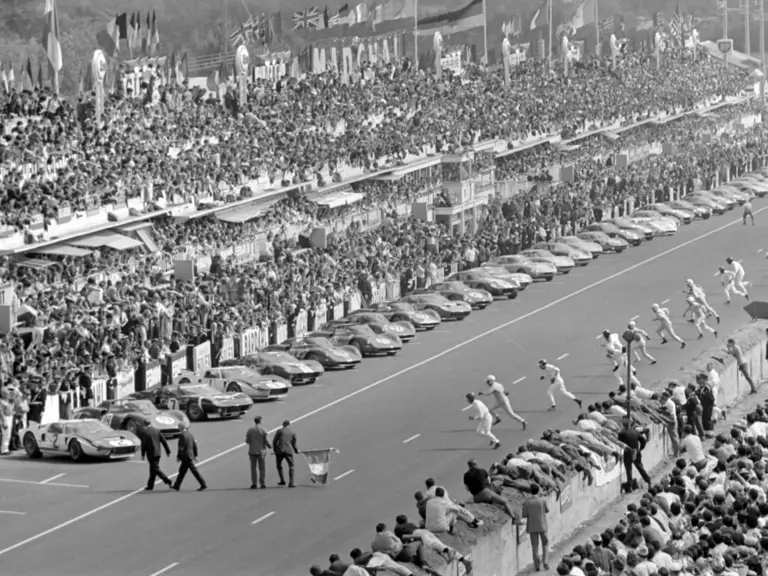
x=502 y=400
x=258 y=442
x=285 y=447
x=152 y=444
x=187 y=456
x=484 y=418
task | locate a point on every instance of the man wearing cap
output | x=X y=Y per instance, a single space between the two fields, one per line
x=502 y=400
x=152 y=444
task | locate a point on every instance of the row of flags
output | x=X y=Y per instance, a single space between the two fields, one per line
x=139 y=39
x=174 y=69
x=30 y=76
x=586 y=15
x=353 y=14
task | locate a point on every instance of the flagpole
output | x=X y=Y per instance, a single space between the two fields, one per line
x=549 y=17
x=225 y=9
x=597 y=30
x=762 y=49
x=725 y=30
x=485 y=33
x=416 y=33
x=747 y=39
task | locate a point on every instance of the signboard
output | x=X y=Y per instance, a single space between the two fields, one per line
x=36 y=221
x=249 y=342
x=92 y=205
x=725 y=45
x=200 y=357
x=153 y=374
x=6 y=295
x=174 y=364
x=64 y=213
x=566 y=498
x=227 y=351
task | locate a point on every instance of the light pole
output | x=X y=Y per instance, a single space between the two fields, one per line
x=629 y=337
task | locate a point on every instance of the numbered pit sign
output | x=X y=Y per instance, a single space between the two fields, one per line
x=725 y=45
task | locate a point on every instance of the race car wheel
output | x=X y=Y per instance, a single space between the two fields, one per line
x=359 y=348
x=521 y=271
x=185 y=381
x=30 y=446
x=550 y=278
x=392 y=353
x=513 y=296
x=233 y=387
x=132 y=427
x=315 y=357
x=194 y=412
x=75 y=451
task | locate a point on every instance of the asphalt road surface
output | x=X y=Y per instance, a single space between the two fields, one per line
x=395 y=421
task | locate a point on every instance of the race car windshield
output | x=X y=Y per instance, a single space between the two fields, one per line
x=363 y=329
x=143 y=407
x=239 y=372
x=86 y=427
x=319 y=343
x=200 y=390
x=282 y=356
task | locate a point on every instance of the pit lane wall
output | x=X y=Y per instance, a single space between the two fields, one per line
x=504 y=549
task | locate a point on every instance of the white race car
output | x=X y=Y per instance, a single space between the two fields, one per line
x=79 y=439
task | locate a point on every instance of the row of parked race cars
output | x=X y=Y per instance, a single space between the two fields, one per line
x=109 y=430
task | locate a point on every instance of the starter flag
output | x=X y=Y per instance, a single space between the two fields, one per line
x=319 y=462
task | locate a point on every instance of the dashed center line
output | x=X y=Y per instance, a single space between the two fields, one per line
x=340 y=476
x=411 y=439
x=262 y=518
x=49 y=483
x=563 y=356
x=52 y=478
x=635 y=317
x=665 y=301
x=519 y=380
x=164 y=570
x=13 y=513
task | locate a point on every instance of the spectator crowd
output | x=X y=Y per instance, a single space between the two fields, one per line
x=114 y=309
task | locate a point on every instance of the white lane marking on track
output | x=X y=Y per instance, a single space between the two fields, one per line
x=519 y=380
x=29 y=482
x=347 y=473
x=635 y=317
x=13 y=513
x=411 y=439
x=52 y=478
x=386 y=379
x=759 y=250
x=562 y=356
x=164 y=570
x=665 y=301
x=262 y=518
x=135 y=461
x=598 y=337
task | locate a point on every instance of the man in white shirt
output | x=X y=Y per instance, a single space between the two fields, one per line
x=441 y=514
x=639 y=345
x=556 y=384
x=691 y=444
x=739 y=286
x=615 y=352
x=496 y=389
x=665 y=325
x=696 y=292
x=484 y=419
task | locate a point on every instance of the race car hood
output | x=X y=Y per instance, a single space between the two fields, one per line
x=305 y=367
x=543 y=267
x=109 y=437
x=340 y=355
x=238 y=399
x=477 y=296
x=165 y=421
x=383 y=340
x=424 y=317
x=399 y=328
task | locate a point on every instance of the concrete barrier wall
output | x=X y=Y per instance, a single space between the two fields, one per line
x=503 y=549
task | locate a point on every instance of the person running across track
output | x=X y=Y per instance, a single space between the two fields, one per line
x=739 y=286
x=664 y=328
x=556 y=384
x=641 y=336
x=484 y=418
x=696 y=292
x=748 y=212
x=616 y=353
x=699 y=315
x=496 y=389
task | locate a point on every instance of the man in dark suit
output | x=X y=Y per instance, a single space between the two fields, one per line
x=152 y=443
x=285 y=447
x=258 y=442
x=187 y=456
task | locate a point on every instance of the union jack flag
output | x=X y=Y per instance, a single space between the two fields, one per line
x=658 y=20
x=308 y=18
x=607 y=25
x=676 y=27
x=242 y=35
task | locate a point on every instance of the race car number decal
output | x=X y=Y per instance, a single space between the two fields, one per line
x=397 y=328
x=476 y=294
x=172 y=404
x=167 y=420
x=382 y=341
x=120 y=442
x=108 y=419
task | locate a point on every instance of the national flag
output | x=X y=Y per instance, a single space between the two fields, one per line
x=361 y=14
x=344 y=15
x=242 y=34
x=676 y=27
x=108 y=39
x=154 y=34
x=135 y=43
x=376 y=16
x=470 y=16
x=51 y=41
x=322 y=21
x=644 y=24
x=398 y=10
x=541 y=10
x=658 y=20
x=4 y=79
x=319 y=462
x=721 y=6
x=184 y=67
x=40 y=75
x=607 y=25
x=274 y=28
x=30 y=75
x=584 y=15
x=11 y=75
x=121 y=21
x=145 y=34
x=306 y=18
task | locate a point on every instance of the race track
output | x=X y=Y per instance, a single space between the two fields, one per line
x=90 y=519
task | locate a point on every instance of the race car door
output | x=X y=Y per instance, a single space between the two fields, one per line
x=52 y=441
